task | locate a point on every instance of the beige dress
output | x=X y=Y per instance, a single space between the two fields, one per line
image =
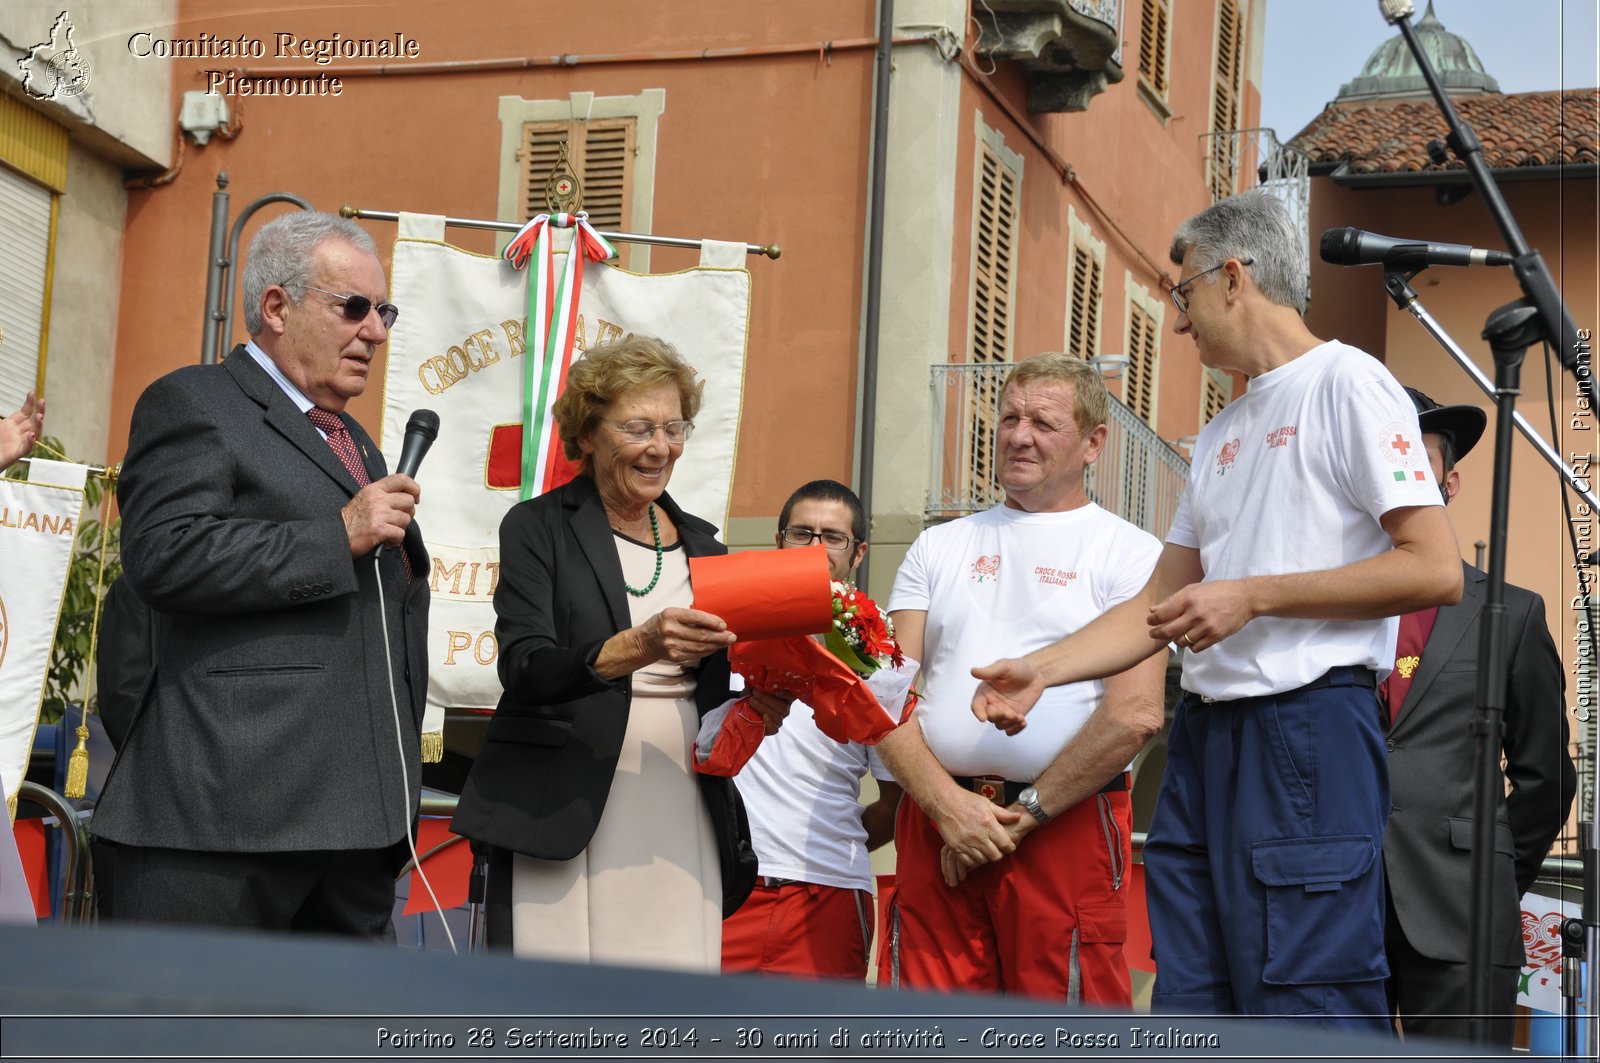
x=647 y=892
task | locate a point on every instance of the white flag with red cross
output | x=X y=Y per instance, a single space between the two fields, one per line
x=485 y=346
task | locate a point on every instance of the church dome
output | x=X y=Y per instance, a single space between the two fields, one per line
x=1392 y=70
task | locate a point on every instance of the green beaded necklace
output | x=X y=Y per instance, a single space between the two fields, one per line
x=655 y=530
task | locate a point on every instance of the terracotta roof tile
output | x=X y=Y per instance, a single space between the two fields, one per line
x=1520 y=129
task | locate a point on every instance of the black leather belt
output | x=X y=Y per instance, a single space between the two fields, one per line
x=1346 y=675
x=1005 y=792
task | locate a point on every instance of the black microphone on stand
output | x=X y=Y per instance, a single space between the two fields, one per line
x=1354 y=247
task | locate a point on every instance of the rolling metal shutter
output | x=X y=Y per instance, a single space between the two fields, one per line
x=24 y=258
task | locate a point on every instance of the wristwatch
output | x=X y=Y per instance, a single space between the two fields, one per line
x=1029 y=799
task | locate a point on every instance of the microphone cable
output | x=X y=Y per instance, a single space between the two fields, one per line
x=400 y=747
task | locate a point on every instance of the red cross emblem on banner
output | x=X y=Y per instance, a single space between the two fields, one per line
x=503 y=470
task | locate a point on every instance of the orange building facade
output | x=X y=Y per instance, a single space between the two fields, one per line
x=1039 y=156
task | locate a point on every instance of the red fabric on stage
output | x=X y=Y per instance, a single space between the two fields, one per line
x=35 y=866
x=448 y=870
x=766 y=594
x=802 y=930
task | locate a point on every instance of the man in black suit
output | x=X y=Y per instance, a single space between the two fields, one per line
x=1431 y=699
x=269 y=775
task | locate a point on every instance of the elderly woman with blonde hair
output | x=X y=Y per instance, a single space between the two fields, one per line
x=605 y=845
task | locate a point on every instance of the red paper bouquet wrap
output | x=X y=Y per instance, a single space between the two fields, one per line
x=845 y=706
x=772 y=601
x=763 y=594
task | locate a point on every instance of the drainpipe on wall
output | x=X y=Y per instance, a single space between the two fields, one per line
x=874 y=294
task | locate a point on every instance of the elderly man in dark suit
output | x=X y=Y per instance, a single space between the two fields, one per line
x=270 y=775
x=1431 y=698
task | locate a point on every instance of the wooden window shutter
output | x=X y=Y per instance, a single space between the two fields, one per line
x=1226 y=105
x=600 y=152
x=994 y=243
x=1139 y=383
x=1216 y=390
x=1087 y=278
x=1154 y=38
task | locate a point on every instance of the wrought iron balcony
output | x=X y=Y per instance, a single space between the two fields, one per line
x=1071 y=49
x=1138 y=476
x=1238 y=160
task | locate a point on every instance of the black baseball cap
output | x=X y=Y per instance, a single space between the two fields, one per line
x=1462 y=425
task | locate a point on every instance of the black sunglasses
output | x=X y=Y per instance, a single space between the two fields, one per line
x=357 y=307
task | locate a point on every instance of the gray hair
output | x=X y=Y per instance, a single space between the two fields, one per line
x=1252 y=225
x=281 y=254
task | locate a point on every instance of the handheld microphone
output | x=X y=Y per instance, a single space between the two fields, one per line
x=1353 y=247
x=421 y=431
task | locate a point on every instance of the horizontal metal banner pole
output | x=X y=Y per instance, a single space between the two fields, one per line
x=770 y=250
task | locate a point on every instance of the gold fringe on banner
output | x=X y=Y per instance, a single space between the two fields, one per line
x=78 y=765
x=432 y=747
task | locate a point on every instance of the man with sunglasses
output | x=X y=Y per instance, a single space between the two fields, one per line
x=269 y=775
x=811 y=912
x=1310 y=520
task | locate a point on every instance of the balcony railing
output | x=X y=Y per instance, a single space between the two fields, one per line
x=1138 y=476
x=1239 y=160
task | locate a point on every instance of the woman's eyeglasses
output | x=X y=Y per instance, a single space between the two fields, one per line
x=357 y=307
x=642 y=431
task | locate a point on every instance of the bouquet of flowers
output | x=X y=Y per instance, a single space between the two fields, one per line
x=862 y=636
x=854 y=677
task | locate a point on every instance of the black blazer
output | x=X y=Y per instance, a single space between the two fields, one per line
x=540 y=782
x=1433 y=764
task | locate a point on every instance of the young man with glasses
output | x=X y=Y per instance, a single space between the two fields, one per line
x=261 y=783
x=811 y=914
x=1012 y=856
x=1310 y=520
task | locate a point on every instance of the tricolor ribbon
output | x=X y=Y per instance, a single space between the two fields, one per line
x=552 y=322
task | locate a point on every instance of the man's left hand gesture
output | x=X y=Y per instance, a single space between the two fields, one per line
x=1009 y=689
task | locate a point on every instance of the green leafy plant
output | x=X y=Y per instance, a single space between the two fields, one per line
x=70 y=660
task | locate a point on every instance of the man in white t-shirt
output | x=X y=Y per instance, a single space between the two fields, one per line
x=1012 y=859
x=811 y=914
x=1310 y=520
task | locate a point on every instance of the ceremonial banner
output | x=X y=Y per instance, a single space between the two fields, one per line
x=38 y=523
x=1539 y=987
x=459 y=348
